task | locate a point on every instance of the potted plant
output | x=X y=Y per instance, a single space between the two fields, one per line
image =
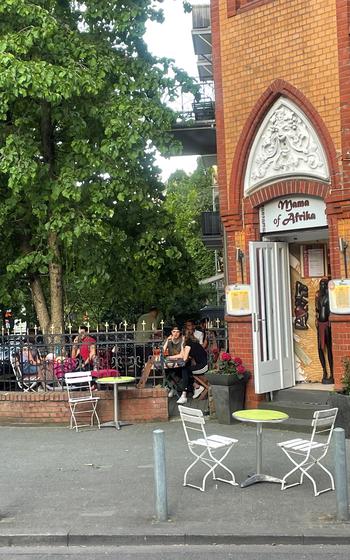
x=341 y=400
x=228 y=381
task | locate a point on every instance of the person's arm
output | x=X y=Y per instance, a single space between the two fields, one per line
x=75 y=347
x=183 y=355
x=33 y=357
x=165 y=345
x=92 y=354
x=205 y=340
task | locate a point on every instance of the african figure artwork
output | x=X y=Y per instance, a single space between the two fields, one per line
x=301 y=306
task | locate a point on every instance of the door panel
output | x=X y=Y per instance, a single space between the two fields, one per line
x=272 y=322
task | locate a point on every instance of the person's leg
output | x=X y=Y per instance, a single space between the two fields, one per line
x=198 y=369
x=184 y=383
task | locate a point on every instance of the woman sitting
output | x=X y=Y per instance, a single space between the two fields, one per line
x=33 y=366
x=196 y=363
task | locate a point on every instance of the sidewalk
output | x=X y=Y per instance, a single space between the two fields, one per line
x=96 y=486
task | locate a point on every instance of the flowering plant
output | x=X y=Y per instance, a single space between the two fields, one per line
x=230 y=365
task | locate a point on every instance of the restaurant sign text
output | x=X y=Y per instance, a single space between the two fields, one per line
x=292 y=212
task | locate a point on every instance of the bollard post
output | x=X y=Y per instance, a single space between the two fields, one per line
x=160 y=475
x=341 y=475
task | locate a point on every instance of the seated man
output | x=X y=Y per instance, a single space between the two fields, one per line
x=84 y=349
x=173 y=347
x=196 y=363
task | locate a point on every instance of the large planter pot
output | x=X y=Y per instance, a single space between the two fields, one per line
x=342 y=402
x=228 y=395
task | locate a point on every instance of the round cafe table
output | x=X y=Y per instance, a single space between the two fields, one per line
x=115 y=381
x=259 y=417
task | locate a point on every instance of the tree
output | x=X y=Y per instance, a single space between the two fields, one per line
x=81 y=115
x=186 y=198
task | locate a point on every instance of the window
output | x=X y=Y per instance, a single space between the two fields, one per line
x=237 y=6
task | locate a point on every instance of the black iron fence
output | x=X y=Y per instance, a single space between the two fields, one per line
x=104 y=353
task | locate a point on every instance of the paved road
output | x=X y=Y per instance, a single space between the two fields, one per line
x=265 y=552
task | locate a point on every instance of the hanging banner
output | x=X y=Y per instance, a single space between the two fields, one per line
x=339 y=296
x=292 y=212
x=238 y=299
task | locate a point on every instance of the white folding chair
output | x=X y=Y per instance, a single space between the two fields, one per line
x=205 y=447
x=306 y=453
x=81 y=380
x=25 y=382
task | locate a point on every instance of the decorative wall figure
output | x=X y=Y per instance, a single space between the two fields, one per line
x=324 y=335
x=301 y=306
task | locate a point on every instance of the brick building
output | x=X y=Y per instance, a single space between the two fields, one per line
x=282 y=89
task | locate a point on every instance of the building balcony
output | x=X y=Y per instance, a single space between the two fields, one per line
x=212 y=230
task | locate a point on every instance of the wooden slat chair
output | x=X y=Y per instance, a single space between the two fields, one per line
x=204 y=448
x=308 y=453
x=84 y=402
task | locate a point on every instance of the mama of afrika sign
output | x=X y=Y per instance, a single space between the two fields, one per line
x=292 y=212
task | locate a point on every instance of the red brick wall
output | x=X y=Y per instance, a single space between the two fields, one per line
x=135 y=405
x=340 y=325
x=301 y=50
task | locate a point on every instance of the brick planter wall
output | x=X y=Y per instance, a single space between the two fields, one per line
x=135 y=405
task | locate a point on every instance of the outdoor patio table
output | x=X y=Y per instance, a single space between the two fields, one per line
x=259 y=417
x=115 y=381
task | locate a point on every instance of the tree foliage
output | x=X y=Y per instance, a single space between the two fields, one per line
x=81 y=115
x=187 y=197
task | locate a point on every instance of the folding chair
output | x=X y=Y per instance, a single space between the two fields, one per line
x=306 y=453
x=78 y=380
x=205 y=447
x=27 y=383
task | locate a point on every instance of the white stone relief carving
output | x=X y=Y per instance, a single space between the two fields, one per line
x=286 y=145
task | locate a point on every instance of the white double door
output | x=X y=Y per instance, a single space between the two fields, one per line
x=272 y=318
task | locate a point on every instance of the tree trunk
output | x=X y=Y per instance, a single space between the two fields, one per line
x=39 y=303
x=56 y=285
x=55 y=267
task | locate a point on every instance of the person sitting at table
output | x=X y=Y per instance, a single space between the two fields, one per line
x=173 y=347
x=32 y=365
x=196 y=363
x=192 y=332
x=84 y=349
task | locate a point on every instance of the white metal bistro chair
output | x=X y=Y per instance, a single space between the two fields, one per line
x=307 y=453
x=205 y=447
x=28 y=383
x=83 y=402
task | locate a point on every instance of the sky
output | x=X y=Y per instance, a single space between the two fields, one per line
x=173 y=40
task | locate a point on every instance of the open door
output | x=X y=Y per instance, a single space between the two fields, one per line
x=272 y=317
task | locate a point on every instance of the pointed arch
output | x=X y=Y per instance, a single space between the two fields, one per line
x=277 y=89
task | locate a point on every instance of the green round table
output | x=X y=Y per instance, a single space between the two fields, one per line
x=259 y=417
x=115 y=381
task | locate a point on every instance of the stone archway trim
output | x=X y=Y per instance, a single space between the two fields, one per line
x=275 y=90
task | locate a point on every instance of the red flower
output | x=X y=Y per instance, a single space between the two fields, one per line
x=240 y=369
x=226 y=357
x=237 y=361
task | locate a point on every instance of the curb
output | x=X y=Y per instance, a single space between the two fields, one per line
x=68 y=540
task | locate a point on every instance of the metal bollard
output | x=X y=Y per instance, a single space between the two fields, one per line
x=341 y=475
x=160 y=475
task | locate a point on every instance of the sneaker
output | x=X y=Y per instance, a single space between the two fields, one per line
x=171 y=393
x=182 y=400
x=198 y=392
